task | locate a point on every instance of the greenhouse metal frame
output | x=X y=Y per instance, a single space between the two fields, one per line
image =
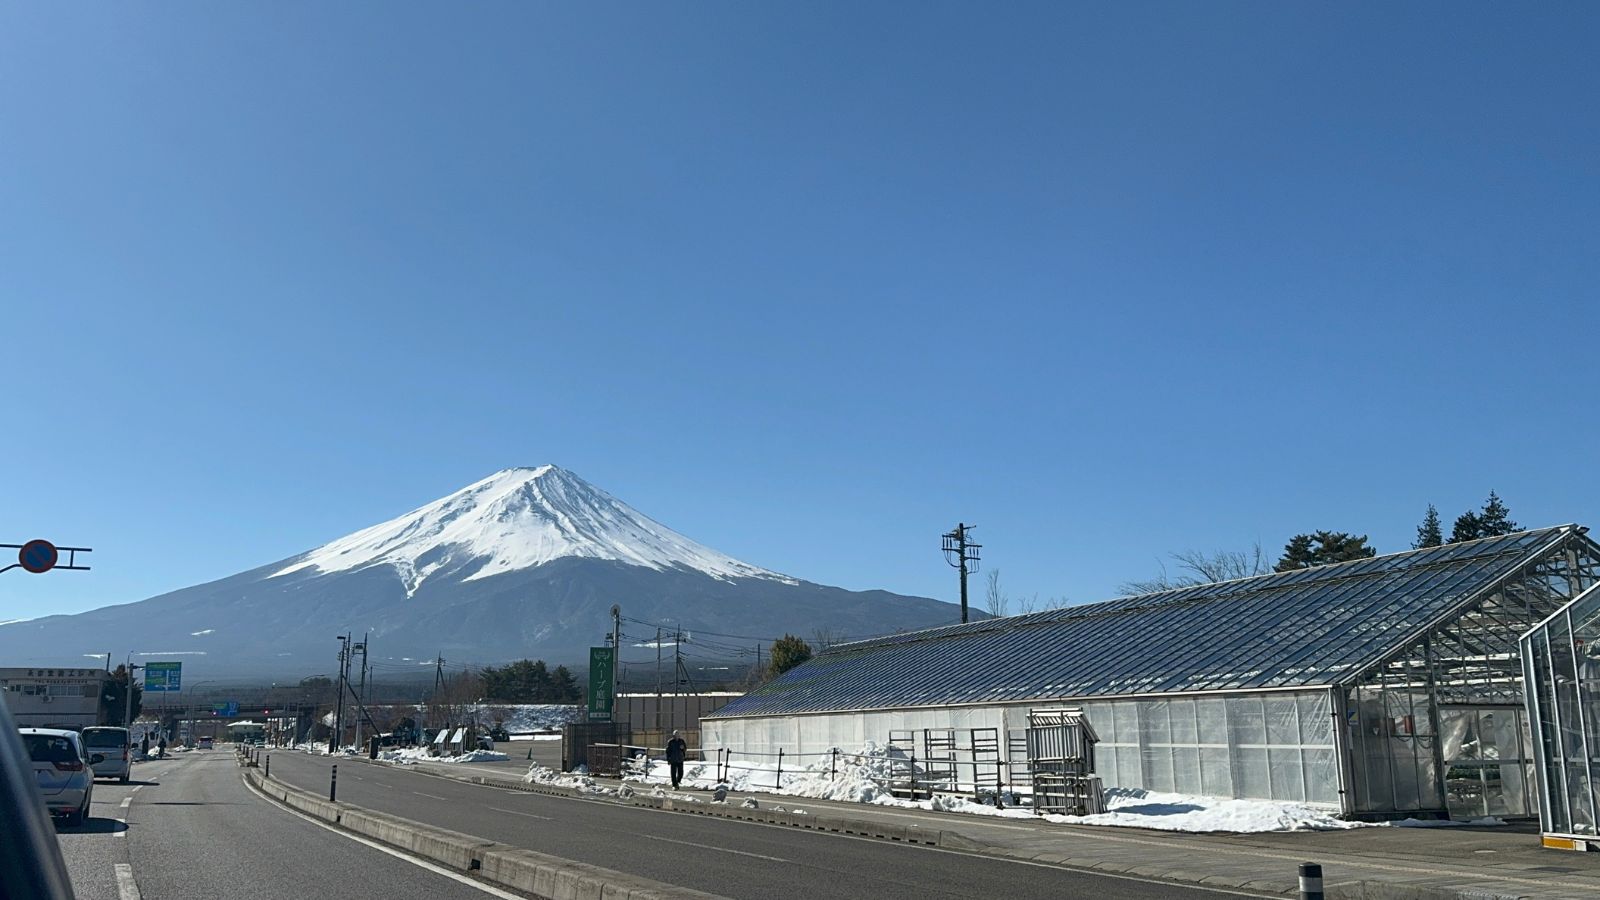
x=1382 y=687
x=1561 y=662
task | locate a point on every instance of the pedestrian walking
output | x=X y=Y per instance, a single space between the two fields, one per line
x=161 y=748
x=676 y=750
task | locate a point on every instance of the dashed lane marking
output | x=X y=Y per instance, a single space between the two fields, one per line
x=127 y=888
x=718 y=849
x=125 y=802
x=520 y=813
x=432 y=796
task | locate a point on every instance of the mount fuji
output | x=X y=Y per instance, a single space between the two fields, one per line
x=525 y=563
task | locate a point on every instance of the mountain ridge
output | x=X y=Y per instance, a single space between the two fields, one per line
x=524 y=563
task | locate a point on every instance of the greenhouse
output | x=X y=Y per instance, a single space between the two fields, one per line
x=1380 y=688
x=1562 y=665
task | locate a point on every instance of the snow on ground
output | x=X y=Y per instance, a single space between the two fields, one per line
x=578 y=781
x=865 y=778
x=413 y=755
x=526 y=717
x=1132 y=808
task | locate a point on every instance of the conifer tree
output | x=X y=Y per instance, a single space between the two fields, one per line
x=787 y=652
x=1428 y=533
x=1321 y=548
x=1468 y=527
x=1495 y=520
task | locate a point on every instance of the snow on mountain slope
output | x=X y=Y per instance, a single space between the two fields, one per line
x=517 y=519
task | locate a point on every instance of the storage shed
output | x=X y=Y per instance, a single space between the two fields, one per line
x=1377 y=687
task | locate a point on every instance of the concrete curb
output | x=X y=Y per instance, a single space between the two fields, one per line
x=539 y=874
x=1265 y=883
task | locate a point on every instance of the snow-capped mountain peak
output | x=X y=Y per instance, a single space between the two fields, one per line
x=517 y=519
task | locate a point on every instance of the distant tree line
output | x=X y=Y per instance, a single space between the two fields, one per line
x=1320 y=548
x=530 y=681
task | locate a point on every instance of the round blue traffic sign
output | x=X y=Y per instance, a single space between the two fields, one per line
x=38 y=556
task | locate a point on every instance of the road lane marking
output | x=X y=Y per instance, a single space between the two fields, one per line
x=124 y=831
x=433 y=796
x=125 y=802
x=127 y=888
x=137 y=789
x=719 y=849
x=421 y=863
x=515 y=812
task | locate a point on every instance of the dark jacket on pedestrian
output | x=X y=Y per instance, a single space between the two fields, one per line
x=676 y=750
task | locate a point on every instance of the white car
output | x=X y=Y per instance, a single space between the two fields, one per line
x=62 y=770
x=116 y=745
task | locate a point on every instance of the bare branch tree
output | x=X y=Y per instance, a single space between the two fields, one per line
x=1198 y=567
x=997 y=603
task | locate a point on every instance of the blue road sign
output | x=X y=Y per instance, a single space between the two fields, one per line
x=230 y=708
x=38 y=556
x=163 y=676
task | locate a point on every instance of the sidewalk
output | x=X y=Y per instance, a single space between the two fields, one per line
x=1423 y=863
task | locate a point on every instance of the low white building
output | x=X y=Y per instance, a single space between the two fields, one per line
x=54 y=698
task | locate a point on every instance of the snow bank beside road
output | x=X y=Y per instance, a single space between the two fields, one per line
x=412 y=755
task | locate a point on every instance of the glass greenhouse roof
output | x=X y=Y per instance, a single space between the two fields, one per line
x=1309 y=627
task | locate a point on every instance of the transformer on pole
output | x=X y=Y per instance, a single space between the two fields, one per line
x=963 y=554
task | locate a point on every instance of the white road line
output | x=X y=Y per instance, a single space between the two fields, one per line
x=125 y=802
x=123 y=832
x=924 y=819
x=719 y=849
x=520 y=813
x=433 y=796
x=137 y=789
x=127 y=888
x=454 y=876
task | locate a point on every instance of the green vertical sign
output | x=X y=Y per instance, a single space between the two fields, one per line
x=602 y=691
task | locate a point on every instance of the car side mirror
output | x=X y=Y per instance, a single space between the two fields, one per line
x=96 y=758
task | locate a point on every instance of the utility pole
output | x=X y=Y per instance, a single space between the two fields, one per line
x=959 y=552
x=658 y=678
x=361 y=694
x=616 y=655
x=677 y=673
x=127 y=713
x=344 y=675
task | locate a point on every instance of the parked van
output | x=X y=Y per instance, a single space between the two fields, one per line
x=116 y=745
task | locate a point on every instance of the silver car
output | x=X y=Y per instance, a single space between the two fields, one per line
x=62 y=769
x=116 y=745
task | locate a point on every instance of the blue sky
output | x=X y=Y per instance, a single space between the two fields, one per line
x=807 y=282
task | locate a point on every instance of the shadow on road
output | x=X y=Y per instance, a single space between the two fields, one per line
x=94 y=825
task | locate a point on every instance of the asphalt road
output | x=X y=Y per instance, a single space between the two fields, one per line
x=193 y=830
x=732 y=858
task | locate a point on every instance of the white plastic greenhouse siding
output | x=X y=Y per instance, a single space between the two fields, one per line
x=1267 y=746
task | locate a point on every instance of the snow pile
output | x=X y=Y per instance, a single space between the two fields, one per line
x=577 y=781
x=410 y=756
x=518 y=519
x=1132 y=808
x=1447 y=823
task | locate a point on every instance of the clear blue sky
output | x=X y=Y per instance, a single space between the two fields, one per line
x=807 y=282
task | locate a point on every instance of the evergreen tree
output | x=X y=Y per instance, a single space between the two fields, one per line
x=1468 y=527
x=1321 y=548
x=1299 y=553
x=787 y=652
x=114 y=701
x=564 y=687
x=1495 y=520
x=1428 y=533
